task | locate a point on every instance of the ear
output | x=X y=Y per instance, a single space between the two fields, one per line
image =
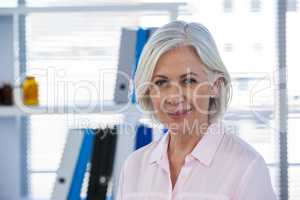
x=216 y=86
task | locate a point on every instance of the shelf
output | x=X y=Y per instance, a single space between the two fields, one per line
x=104 y=108
x=7 y=111
x=108 y=7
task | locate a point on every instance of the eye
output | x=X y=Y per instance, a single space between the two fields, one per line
x=160 y=82
x=189 y=81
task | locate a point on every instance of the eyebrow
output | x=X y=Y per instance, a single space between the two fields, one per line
x=190 y=73
x=181 y=76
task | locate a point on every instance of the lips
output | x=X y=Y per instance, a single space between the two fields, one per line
x=179 y=113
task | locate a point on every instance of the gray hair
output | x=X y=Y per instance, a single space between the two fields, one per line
x=175 y=34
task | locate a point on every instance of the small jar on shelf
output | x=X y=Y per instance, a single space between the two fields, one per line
x=6 y=94
x=30 y=91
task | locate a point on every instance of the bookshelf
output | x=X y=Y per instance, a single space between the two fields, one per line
x=106 y=108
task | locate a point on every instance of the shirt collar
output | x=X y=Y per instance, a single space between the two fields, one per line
x=204 y=151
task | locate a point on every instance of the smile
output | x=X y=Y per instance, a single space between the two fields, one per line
x=180 y=114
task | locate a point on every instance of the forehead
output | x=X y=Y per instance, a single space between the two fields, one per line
x=178 y=61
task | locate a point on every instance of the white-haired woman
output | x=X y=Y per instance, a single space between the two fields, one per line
x=182 y=82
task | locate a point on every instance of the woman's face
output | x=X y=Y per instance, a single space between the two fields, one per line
x=180 y=92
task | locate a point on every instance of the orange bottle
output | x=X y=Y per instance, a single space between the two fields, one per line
x=30 y=91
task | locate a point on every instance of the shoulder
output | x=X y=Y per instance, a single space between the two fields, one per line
x=238 y=155
x=243 y=165
x=252 y=178
x=140 y=157
x=233 y=145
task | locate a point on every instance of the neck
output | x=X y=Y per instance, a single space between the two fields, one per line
x=181 y=144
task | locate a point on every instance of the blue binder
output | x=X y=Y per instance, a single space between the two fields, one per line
x=83 y=159
x=143 y=136
x=142 y=37
x=165 y=130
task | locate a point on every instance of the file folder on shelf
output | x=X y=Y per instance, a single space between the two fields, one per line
x=73 y=165
x=102 y=163
x=143 y=136
x=132 y=43
x=125 y=63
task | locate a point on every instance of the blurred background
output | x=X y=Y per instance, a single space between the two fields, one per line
x=257 y=39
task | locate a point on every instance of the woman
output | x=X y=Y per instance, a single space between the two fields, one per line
x=182 y=81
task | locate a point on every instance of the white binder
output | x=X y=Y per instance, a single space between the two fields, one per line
x=67 y=165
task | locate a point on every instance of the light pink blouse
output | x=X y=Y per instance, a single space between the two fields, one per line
x=220 y=167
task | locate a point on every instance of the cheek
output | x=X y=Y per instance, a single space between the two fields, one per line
x=199 y=98
x=155 y=100
x=158 y=109
x=156 y=103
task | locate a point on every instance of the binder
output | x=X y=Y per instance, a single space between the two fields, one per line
x=102 y=163
x=73 y=164
x=67 y=165
x=143 y=136
x=82 y=163
x=131 y=46
x=125 y=145
x=142 y=37
x=125 y=63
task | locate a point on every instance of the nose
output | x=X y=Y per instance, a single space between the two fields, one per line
x=174 y=100
x=175 y=95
